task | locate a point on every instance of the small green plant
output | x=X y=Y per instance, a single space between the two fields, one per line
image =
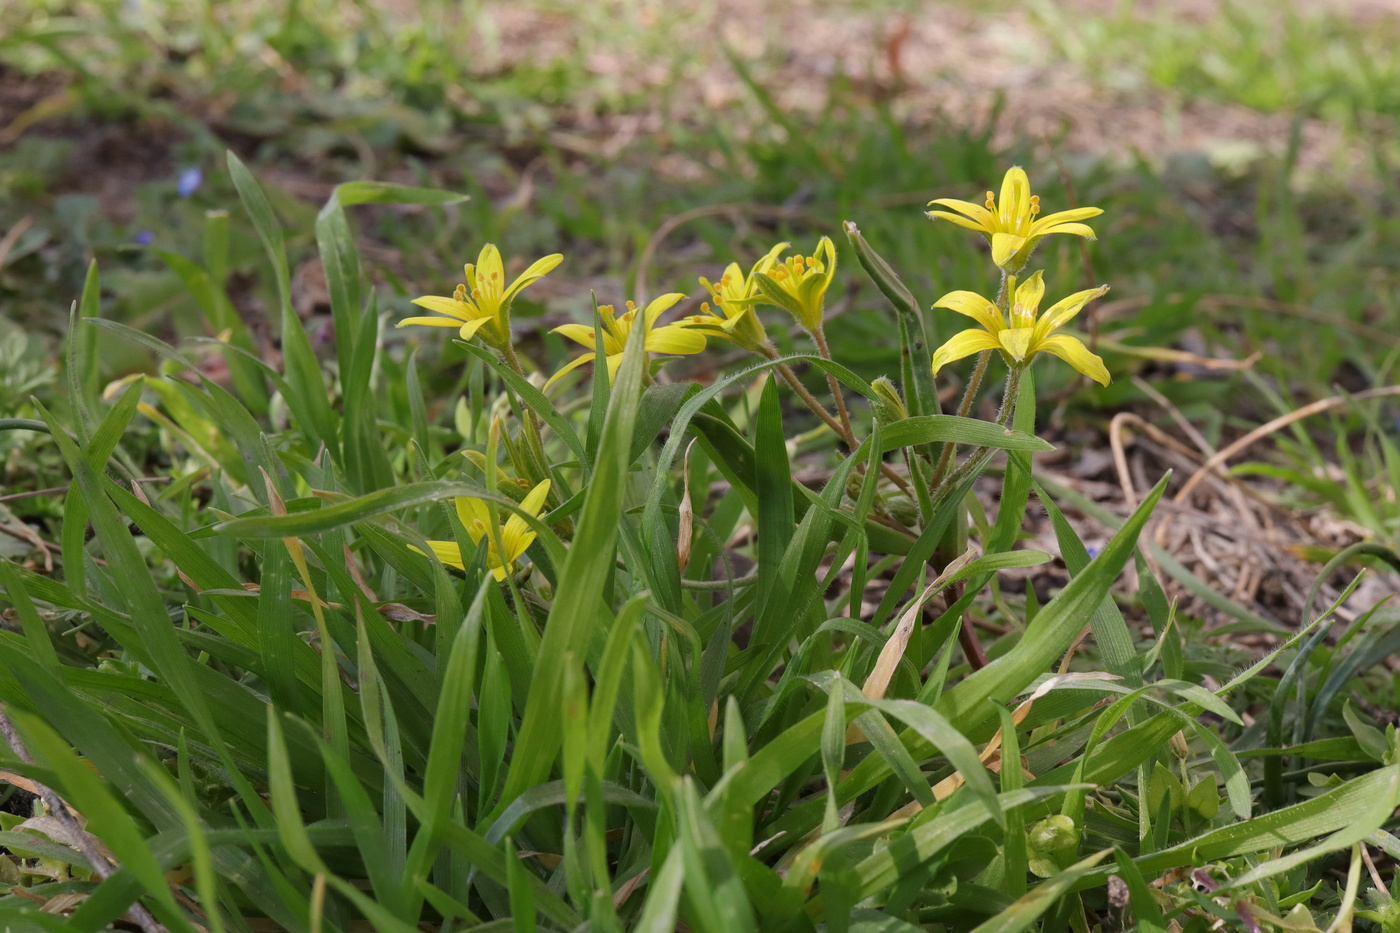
x=595 y=660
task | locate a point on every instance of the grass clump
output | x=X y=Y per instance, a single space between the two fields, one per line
x=596 y=660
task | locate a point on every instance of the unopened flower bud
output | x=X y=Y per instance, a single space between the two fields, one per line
x=887 y=404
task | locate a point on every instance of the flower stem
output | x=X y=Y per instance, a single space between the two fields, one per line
x=980 y=455
x=820 y=411
x=974 y=383
x=534 y=440
x=819 y=335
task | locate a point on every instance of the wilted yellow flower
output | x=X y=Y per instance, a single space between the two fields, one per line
x=1009 y=221
x=1024 y=332
x=799 y=284
x=734 y=296
x=483 y=304
x=676 y=339
x=515 y=535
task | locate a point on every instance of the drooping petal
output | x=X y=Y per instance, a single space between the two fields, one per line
x=1072 y=351
x=448 y=306
x=960 y=221
x=1064 y=310
x=963 y=344
x=538 y=270
x=673 y=338
x=1004 y=246
x=974 y=306
x=982 y=218
x=430 y=322
x=1016 y=341
x=570 y=367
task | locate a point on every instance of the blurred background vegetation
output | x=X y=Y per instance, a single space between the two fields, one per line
x=1243 y=153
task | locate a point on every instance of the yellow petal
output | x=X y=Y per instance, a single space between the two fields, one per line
x=474 y=516
x=571 y=366
x=1029 y=293
x=538 y=270
x=579 y=333
x=470 y=328
x=1044 y=224
x=430 y=322
x=1083 y=230
x=974 y=306
x=960 y=221
x=614 y=361
x=1064 y=310
x=1004 y=246
x=1073 y=352
x=1015 y=195
x=446 y=551
x=982 y=218
x=673 y=338
x=490 y=271
x=660 y=306
x=1016 y=341
x=764 y=264
x=963 y=344
x=449 y=306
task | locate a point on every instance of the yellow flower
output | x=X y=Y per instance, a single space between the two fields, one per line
x=484 y=302
x=799 y=284
x=677 y=339
x=1009 y=221
x=515 y=535
x=734 y=297
x=1024 y=332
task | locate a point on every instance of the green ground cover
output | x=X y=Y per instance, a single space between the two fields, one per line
x=706 y=702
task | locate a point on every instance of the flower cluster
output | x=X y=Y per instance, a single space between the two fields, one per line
x=1014 y=323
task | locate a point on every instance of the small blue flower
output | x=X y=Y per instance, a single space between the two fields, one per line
x=190 y=180
x=1093 y=552
x=145 y=238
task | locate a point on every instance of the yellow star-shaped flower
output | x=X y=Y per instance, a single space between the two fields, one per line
x=515 y=535
x=799 y=283
x=1009 y=221
x=676 y=339
x=483 y=303
x=1022 y=333
x=734 y=296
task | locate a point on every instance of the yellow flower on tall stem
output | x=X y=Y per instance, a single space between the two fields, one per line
x=482 y=305
x=515 y=535
x=799 y=283
x=1009 y=221
x=677 y=339
x=1022 y=332
x=734 y=296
